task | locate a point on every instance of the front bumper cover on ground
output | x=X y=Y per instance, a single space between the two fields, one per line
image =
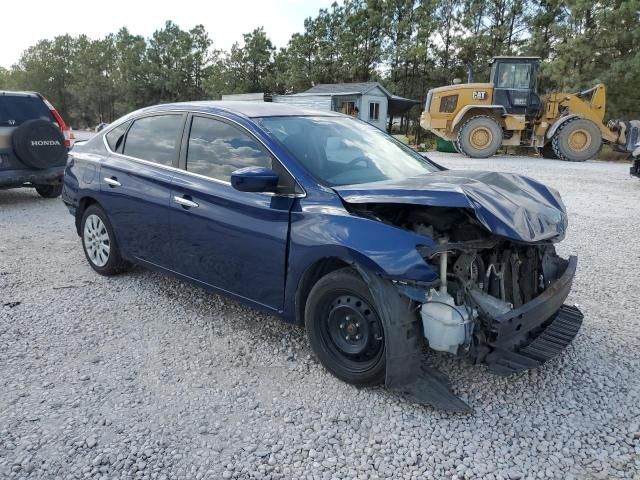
x=521 y=339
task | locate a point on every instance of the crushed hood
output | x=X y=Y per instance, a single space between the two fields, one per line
x=508 y=205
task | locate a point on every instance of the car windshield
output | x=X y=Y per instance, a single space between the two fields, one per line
x=344 y=151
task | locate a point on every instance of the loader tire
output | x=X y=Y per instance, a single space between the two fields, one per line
x=547 y=152
x=480 y=137
x=577 y=140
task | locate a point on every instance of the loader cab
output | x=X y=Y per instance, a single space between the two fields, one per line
x=515 y=81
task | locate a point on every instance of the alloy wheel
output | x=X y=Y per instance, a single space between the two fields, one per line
x=96 y=240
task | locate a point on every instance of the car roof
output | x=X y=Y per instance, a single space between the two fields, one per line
x=247 y=109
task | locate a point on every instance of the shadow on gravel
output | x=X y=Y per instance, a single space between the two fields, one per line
x=23 y=196
x=211 y=305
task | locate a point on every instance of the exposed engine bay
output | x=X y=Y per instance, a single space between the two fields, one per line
x=483 y=280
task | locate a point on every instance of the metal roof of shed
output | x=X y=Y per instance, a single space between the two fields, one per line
x=356 y=88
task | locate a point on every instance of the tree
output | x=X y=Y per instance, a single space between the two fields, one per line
x=248 y=68
x=49 y=67
x=256 y=59
x=94 y=89
x=408 y=45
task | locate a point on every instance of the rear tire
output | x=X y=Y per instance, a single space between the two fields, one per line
x=49 y=191
x=577 y=140
x=344 y=329
x=99 y=243
x=480 y=137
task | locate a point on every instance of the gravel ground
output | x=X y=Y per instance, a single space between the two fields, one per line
x=143 y=376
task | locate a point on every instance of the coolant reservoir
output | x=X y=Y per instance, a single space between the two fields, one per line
x=445 y=324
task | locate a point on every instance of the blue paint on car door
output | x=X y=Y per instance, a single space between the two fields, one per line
x=231 y=240
x=138 y=208
x=234 y=241
x=135 y=185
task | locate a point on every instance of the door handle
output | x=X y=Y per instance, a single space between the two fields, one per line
x=112 y=182
x=185 y=202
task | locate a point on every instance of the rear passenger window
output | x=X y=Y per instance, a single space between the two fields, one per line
x=216 y=149
x=154 y=139
x=115 y=138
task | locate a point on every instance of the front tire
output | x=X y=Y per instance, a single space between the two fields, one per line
x=480 y=137
x=99 y=243
x=344 y=329
x=577 y=140
x=49 y=191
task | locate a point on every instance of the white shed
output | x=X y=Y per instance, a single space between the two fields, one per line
x=368 y=101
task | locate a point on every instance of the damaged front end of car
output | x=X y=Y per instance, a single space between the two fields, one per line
x=498 y=298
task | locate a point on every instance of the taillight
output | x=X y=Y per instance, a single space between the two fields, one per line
x=63 y=126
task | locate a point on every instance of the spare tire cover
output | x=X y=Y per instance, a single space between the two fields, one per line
x=40 y=144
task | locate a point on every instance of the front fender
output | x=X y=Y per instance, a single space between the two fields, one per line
x=553 y=128
x=333 y=232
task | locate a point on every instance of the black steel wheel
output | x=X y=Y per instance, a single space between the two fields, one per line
x=344 y=328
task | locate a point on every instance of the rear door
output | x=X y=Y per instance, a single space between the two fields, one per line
x=135 y=184
x=235 y=241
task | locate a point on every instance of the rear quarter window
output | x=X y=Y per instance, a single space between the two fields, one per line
x=15 y=110
x=115 y=137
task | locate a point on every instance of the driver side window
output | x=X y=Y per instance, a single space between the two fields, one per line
x=217 y=149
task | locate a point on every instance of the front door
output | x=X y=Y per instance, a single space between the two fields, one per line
x=135 y=185
x=235 y=241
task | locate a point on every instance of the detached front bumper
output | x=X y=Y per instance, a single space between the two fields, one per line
x=17 y=178
x=528 y=336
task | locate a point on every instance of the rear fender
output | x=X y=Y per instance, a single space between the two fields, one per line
x=470 y=110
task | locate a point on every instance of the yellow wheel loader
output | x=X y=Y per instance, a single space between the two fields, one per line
x=480 y=117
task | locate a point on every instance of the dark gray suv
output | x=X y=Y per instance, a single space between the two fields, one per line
x=33 y=143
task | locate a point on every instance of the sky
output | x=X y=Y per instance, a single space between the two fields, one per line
x=27 y=21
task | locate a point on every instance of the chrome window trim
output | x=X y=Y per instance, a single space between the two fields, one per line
x=204 y=177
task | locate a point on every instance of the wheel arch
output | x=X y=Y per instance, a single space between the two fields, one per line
x=310 y=277
x=561 y=121
x=83 y=204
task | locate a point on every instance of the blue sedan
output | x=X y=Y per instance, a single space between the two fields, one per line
x=331 y=224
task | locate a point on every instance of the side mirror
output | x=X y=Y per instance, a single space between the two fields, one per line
x=254 y=179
